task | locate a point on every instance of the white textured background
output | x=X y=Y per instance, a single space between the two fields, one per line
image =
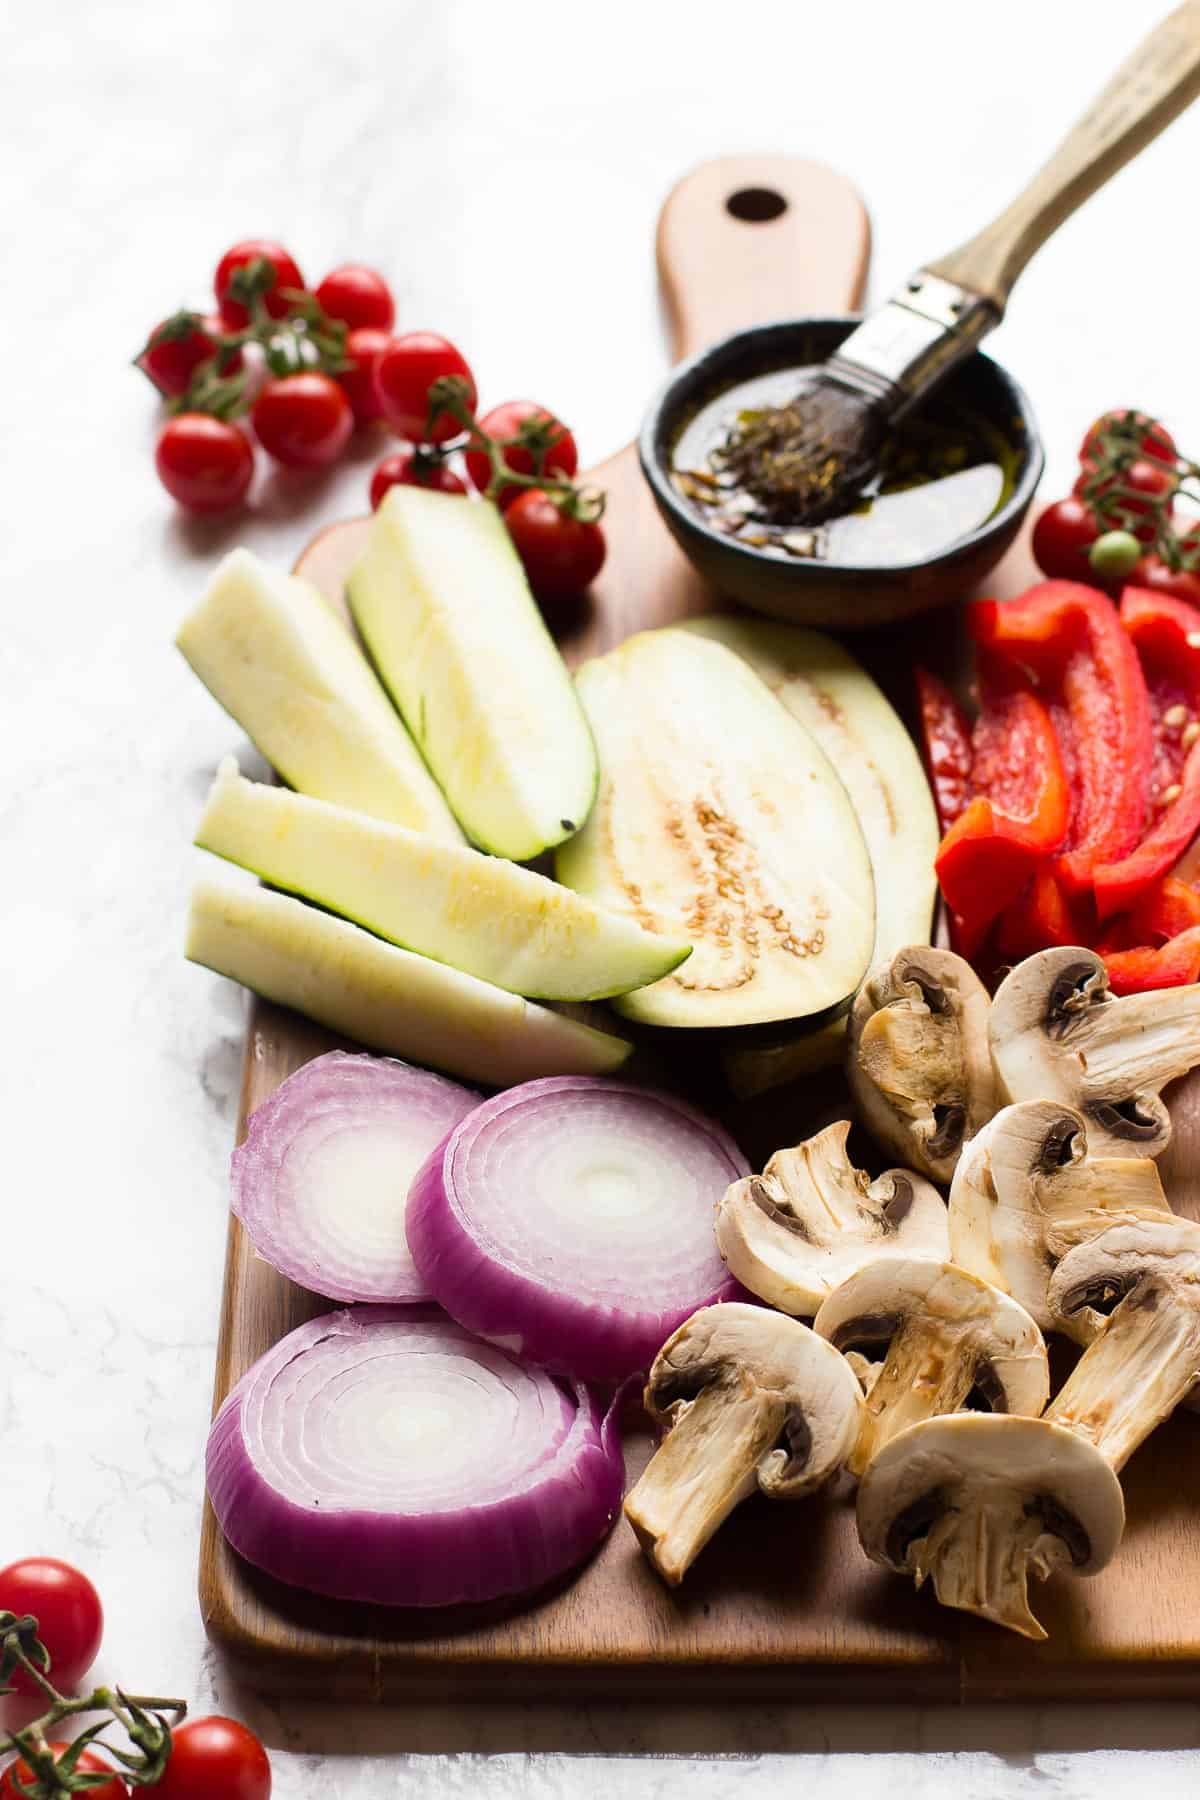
x=504 y=164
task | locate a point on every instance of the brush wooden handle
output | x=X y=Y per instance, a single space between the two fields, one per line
x=1147 y=92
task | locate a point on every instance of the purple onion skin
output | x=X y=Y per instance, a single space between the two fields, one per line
x=478 y=1553
x=568 y=1336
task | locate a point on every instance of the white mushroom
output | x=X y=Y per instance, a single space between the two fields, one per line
x=977 y=1502
x=1027 y=1190
x=753 y=1400
x=917 y=1057
x=1057 y=1032
x=1147 y=1359
x=793 y=1233
x=943 y=1336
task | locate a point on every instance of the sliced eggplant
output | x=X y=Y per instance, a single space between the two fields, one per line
x=719 y=819
x=869 y=745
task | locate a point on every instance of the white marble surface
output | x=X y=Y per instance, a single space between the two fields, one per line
x=464 y=147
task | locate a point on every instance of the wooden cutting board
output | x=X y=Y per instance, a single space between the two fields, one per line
x=782 y=1604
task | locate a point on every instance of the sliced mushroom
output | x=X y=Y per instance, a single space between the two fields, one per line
x=753 y=1400
x=917 y=1057
x=1027 y=1190
x=944 y=1336
x=1147 y=1359
x=978 y=1502
x=1059 y=1033
x=793 y=1233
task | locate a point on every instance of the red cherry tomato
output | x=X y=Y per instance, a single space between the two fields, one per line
x=358 y=296
x=89 y=1763
x=303 y=421
x=1157 y=441
x=1180 y=584
x=408 y=468
x=364 y=346
x=68 y=1611
x=215 y=1759
x=173 y=360
x=1143 y=478
x=561 y=555
x=562 y=458
x=203 y=462
x=287 y=275
x=1064 y=533
x=403 y=376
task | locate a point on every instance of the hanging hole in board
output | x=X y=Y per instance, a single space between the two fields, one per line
x=756 y=205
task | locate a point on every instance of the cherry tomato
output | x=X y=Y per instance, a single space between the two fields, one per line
x=287 y=275
x=204 y=463
x=215 y=1759
x=1180 y=584
x=364 y=346
x=1114 y=556
x=1143 y=478
x=1062 y=537
x=561 y=554
x=403 y=376
x=505 y=421
x=1157 y=441
x=68 y=1611
x=88 y=1763
x=358 y=296
x=173 y=360
x=408 y=468
x=304 y=420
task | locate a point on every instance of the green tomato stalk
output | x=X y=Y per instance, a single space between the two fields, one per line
x=1124 y=512
x=147 y=1722
x=451 y=395
x=306 y=338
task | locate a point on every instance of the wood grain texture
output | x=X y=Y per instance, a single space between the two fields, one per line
x=782 y=1604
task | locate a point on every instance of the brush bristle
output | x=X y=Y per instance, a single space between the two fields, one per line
x=809 y=458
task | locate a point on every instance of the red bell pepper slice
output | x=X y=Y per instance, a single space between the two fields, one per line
x=1174 y=964
x=1164 y=911
x=1070 y=638
x=1166 y=635
x=1041 y=918
x=946 y=737
x=1021 y=807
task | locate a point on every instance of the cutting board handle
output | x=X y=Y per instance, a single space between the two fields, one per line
x=1151 y=87
x=747 y=239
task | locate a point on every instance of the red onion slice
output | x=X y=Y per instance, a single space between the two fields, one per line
x=571 y=1220
x=383 y=1454
x=321 y=1180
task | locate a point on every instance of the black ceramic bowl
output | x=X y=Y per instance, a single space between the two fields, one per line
x=842 y=595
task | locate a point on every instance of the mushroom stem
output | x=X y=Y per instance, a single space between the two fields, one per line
x=1135 y=1374
x=929 y=1371
x=980 y=1561
x=1138 y=1043
x=705 y=1466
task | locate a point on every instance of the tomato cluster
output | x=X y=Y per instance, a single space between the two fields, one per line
x=305 y=368
x=301 y=399
x=208 y=1757
x=1121 y=523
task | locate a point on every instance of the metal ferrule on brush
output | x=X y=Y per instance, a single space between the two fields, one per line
x=909 y=343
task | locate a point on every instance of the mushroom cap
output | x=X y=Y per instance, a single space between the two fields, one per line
x=752 y=1353
x=980 y=1323
x=1057 y=1032
x=793 y=1233
x=979 y=1501
x=1027 y=1189
x=1105 y=1268
x=917 y=1057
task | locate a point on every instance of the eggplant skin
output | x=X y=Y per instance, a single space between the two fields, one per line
x=720 y=819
